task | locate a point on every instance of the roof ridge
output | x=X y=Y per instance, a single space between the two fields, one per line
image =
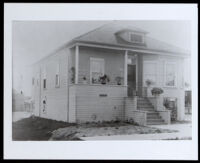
x=91 y=31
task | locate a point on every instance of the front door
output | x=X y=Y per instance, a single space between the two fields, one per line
x=131 y=80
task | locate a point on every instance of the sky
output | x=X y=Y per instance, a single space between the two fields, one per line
x=33 y=40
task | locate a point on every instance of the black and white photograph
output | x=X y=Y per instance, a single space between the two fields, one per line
x=115 y=80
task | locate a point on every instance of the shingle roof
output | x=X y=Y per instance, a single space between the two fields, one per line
x=107 y=34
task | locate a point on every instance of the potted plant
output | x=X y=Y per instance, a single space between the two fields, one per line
x=148 y=83
x=156 y=91
x=84 y=80
x=119 y=80
x=104 y=79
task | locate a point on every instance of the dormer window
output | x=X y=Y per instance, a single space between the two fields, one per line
x=136 y=38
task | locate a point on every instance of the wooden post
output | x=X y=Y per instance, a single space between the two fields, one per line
x=76 y=63
x=125 y=67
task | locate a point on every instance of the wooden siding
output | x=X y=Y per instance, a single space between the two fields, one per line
x=99 y=108
x=72 y=104
x=96 y=90
x=130 y=107
x=99 y=102
x=56 y=97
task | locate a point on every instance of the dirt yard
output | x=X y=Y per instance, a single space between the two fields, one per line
x=35 y=128
x=105 y=129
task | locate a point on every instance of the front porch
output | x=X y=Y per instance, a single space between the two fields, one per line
x=92 y=100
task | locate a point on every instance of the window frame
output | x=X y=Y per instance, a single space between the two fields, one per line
x=96 y=59
x=141 y=34
x=156 y=71
x=165 y=73
x=33 y=81
x=44 y=79
x=57 y=85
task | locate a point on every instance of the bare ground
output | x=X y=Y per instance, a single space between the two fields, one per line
x=104 y=129
x=35 y=128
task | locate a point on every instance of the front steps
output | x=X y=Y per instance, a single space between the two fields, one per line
x=153 y=117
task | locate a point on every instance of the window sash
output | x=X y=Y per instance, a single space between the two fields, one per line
x=137 y=38
x=170 y=75
x=57 y=80
x=96 y=69
x=150 y=71
x=44 y=83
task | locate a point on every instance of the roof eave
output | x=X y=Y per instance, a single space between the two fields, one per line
x=127 y=47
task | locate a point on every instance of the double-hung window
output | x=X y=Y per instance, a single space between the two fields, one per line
x=150 y=71
x=96 y=69
x=136 y=38
x=170 y=74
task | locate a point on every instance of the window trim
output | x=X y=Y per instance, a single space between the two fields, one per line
x=44 y=78
x=33 y=81
x=130 y=33
x=96 y=59
x=156 y=72
x=176 y=76
x=57 y=85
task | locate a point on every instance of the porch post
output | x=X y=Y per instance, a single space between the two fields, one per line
x=76 y=63
x=125 y=67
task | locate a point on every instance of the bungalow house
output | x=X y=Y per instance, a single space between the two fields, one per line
x=102 y=76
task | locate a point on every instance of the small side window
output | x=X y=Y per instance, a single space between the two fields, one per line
x=44 y=83
x=57 y=80
x=136 y=38
x=44 y=78
x=33 y=80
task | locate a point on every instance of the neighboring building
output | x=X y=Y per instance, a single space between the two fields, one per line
x=21 y=103
x=66 y=85
x=18 y=101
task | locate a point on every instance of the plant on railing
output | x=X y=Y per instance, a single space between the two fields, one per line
x=149 y=82
x=156 y=91
x=84 y=80
x=104 y=79
x=119 y=80
x=72 y=72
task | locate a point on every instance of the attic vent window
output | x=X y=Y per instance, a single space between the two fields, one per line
x=136 y=38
